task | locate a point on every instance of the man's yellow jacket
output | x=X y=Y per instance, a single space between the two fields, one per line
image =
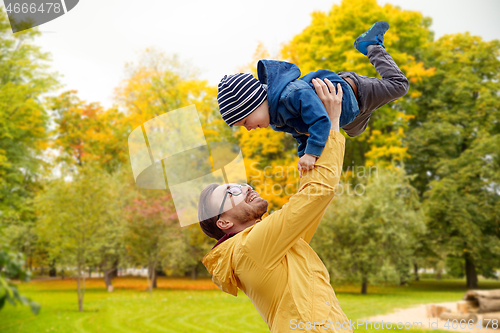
x=273 y=263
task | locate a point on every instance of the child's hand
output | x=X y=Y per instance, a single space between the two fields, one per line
x=306 y=162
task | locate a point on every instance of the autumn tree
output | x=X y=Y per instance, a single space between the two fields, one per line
x=186 y=251
x=158 y=83
x=368 y=235
x=453 y=143
x=75 y=217
x=155 y=84
x=87 y=133
x=151 y=229
x=24 y=79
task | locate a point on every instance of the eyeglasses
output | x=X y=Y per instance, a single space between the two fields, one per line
x=233 y=190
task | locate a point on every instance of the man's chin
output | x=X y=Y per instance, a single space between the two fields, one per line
x=263 y=205
x=258 y=208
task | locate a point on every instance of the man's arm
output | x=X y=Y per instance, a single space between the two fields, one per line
x=271 y=238
x=333 y=105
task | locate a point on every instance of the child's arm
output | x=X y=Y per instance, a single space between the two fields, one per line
x=302 y=141
x=313 y=114
x=305 y=161
x=306 y=104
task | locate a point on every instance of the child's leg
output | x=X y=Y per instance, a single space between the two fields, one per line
x=373 y=92
x=392 y=85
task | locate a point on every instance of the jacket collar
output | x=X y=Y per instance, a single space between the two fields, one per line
x=226 y=237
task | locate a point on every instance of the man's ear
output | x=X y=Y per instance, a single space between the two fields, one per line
x=224 y=225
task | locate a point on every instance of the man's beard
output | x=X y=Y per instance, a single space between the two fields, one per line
x=253 y=212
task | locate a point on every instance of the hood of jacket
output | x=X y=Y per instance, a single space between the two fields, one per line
x=219 y=263
x=276 y=75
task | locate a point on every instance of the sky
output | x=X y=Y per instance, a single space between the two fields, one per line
x=91 y=44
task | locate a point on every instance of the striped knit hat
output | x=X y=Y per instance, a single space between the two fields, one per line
x=239 y=95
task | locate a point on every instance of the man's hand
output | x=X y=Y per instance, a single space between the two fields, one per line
x=331 y=100
x=306 y=162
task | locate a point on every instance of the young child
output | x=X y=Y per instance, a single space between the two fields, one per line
x=290 y=104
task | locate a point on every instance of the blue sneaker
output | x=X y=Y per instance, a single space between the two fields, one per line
x=372 y=36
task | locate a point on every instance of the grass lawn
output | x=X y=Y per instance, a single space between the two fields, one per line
x=182 y=305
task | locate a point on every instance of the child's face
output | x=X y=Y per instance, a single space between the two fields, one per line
x=257 y=119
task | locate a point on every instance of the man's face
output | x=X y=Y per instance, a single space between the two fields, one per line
x=239 y=209
x=257 y=119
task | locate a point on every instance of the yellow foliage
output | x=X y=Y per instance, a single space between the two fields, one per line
x=260 y=53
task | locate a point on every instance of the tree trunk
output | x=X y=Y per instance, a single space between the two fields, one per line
x=154 y=279
x=438 y=274
x=108 y=276
x=194 y=272
x=415 y=270
x=470 y=272
x=364 y=286
x=52 y=268
x=115 y=268
x=83 y=289
x=90 y=272
x=152 y=276
x=80 y=287
x=80 y=305
x=149 y=284
x=402 y=281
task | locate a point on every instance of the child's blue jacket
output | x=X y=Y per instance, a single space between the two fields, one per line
x=294 y=106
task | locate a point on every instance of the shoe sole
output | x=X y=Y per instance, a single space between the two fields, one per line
x=361 y=46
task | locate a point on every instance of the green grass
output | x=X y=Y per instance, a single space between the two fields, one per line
x=131 y=309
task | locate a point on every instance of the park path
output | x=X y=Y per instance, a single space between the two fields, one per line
x=419 y=314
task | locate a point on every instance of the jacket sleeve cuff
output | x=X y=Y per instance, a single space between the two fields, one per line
x=313 y=149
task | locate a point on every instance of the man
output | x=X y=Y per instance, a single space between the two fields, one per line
x=271 y=261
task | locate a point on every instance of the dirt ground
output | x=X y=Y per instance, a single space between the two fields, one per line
x=418 y=314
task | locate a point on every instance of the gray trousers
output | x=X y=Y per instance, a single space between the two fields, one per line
x=373 y=92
